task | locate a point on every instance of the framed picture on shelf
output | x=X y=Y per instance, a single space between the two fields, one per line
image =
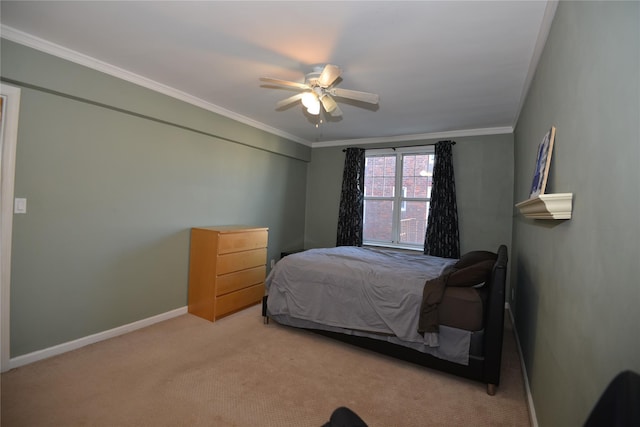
x=543 y=161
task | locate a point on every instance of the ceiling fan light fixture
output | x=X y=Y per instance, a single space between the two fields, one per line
x=314 y=109
x=310 y=100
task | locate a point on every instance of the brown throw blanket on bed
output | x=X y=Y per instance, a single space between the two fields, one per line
x=431 y=297
x=472 y=269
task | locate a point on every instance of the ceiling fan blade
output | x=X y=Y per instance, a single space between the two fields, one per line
x=337 y=112
x=329 y=75
x=328 y=103
x=289 y=100
x=370 y=98
x=285 y=83
x=330 y=106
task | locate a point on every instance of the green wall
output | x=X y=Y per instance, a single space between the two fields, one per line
x=484 y=187
x=577 y=289
x=115 y=175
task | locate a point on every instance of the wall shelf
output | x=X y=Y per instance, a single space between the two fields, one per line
x=547 y=206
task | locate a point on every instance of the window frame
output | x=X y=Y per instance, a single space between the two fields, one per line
x=399 y=197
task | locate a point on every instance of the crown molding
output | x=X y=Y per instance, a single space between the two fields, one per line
x=541 y=41
x=414 y=137
x=62 y=52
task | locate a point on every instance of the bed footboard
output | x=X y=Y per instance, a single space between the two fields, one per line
x=494 y=321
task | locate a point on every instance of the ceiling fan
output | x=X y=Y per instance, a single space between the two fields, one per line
x=318 y=89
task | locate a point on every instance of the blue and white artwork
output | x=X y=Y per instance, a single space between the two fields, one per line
x=542 y=164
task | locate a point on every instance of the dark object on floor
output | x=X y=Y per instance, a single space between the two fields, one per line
x=619 y=405
x=345 y=417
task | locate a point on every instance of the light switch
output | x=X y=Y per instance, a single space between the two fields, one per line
x=20 y=206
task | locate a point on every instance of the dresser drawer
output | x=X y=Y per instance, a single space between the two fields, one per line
x=240 y=279
x=240 y=261
x=236 y=242
x=235 y=301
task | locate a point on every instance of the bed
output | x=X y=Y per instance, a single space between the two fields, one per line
x=440 y=313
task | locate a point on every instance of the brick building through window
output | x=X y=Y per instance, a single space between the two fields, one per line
x=397 y=194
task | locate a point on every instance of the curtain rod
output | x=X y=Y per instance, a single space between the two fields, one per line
x=409 y=146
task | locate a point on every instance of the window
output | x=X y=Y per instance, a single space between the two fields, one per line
x=397 y=191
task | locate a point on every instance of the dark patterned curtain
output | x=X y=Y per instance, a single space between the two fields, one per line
x=352 y=199
x=442 y=238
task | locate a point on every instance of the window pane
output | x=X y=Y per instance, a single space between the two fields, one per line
x=413 y=222
x=377 y=220
x=417 y=173
x=380 y=176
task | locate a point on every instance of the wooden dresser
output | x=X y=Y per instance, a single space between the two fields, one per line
x=227 y=268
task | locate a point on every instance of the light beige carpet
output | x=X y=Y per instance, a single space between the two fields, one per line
x=238 y=372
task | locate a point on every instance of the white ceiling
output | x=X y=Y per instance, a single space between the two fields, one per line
x=454 y=67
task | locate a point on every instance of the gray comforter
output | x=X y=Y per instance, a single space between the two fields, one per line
x=370 y=291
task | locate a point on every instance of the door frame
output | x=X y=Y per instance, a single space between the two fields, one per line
x=8 y=142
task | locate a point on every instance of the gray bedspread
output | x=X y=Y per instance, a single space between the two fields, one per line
x=370 y=292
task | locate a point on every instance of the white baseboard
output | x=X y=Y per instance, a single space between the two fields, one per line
x=91 y=339
x=532 y=410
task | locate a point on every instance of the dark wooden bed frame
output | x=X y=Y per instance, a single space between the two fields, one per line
x=485 y=369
